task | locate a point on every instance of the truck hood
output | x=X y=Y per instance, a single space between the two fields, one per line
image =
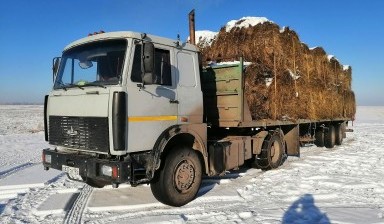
x=89 y=102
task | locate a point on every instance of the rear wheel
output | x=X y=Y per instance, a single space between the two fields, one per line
x=178 y=181
x=329 y=137
x=319 y=137
x=272 y=152
x=338 y=134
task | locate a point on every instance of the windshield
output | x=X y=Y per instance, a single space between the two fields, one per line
x=94 y=64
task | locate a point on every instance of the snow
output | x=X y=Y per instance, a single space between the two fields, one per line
x=21 y=119
x=330 y=57
x=293 y=75
x=346 y=67
x=245 y=63
x=245 y=22
x=204 y=38
x=268 y=81
x=340 y=185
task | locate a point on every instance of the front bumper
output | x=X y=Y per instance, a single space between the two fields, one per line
x=89 y=166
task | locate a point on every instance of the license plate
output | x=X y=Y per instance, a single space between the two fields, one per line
x=73 y=172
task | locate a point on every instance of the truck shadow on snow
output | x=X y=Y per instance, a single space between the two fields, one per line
x=2 y=207
x=209 y=183
x=304 y=210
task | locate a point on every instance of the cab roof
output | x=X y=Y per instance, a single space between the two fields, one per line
x=129 y=34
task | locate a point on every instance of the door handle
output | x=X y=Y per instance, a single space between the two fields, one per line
x=174 y=101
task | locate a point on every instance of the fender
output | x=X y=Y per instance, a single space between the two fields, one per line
x=193 y=134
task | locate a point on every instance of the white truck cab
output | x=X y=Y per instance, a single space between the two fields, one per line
x=118 y=102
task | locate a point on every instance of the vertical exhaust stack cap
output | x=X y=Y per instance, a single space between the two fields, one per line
x=192 y=27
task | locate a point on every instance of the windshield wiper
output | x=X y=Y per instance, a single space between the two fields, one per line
x=94 y=84
x=60 y=86
x=65 y=87
x=74 y=85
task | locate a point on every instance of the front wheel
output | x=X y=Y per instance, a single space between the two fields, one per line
x=178 y=181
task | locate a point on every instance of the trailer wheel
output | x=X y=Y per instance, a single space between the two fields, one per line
x=338 y=134
x=329 y=137
x=319 y=137
x=272 y=153
x=178 y=181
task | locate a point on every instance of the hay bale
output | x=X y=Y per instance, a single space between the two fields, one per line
x=309 y=85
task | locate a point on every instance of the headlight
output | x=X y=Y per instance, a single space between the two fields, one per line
x=110 y=171
x=47 y=158
x=106 y=170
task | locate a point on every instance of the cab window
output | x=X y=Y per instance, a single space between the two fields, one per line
x=163 y=69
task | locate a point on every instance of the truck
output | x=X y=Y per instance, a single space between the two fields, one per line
x=129 y=107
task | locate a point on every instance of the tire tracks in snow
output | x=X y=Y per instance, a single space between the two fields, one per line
x=16 y=169
x=75 y=214
x=147 y=212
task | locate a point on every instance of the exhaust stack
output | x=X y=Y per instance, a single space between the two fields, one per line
x=192 y=27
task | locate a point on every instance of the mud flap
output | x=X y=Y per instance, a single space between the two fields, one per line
x=292 y=141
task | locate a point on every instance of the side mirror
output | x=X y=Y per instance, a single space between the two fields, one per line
x=148 y=63
x=55 y=66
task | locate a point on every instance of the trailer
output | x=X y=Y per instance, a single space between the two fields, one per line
x=270 y=141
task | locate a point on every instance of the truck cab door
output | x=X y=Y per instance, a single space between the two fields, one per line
x=152 y=108
x=189 y=89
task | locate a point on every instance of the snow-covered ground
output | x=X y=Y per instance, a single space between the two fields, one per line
x=340 y=185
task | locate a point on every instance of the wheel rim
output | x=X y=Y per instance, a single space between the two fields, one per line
x=184 y=176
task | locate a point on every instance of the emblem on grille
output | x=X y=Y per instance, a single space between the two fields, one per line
x=72 y=132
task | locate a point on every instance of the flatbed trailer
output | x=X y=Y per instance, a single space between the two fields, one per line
x=227 y=113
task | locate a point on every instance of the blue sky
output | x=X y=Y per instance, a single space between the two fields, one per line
x=33 y=32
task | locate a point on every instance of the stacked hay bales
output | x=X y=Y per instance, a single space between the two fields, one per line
x=286 y=79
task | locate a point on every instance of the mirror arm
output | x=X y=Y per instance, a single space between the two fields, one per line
x=55 y=67
x=140 y=86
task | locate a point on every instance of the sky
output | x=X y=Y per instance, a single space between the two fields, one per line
x=34 y=32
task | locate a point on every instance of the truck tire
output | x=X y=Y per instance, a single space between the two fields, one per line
x=338 y=134
x=178 y=181
x=329 y=137
x=319 y=137
x=272 y=152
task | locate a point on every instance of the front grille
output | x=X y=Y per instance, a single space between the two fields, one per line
x=85 y=133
